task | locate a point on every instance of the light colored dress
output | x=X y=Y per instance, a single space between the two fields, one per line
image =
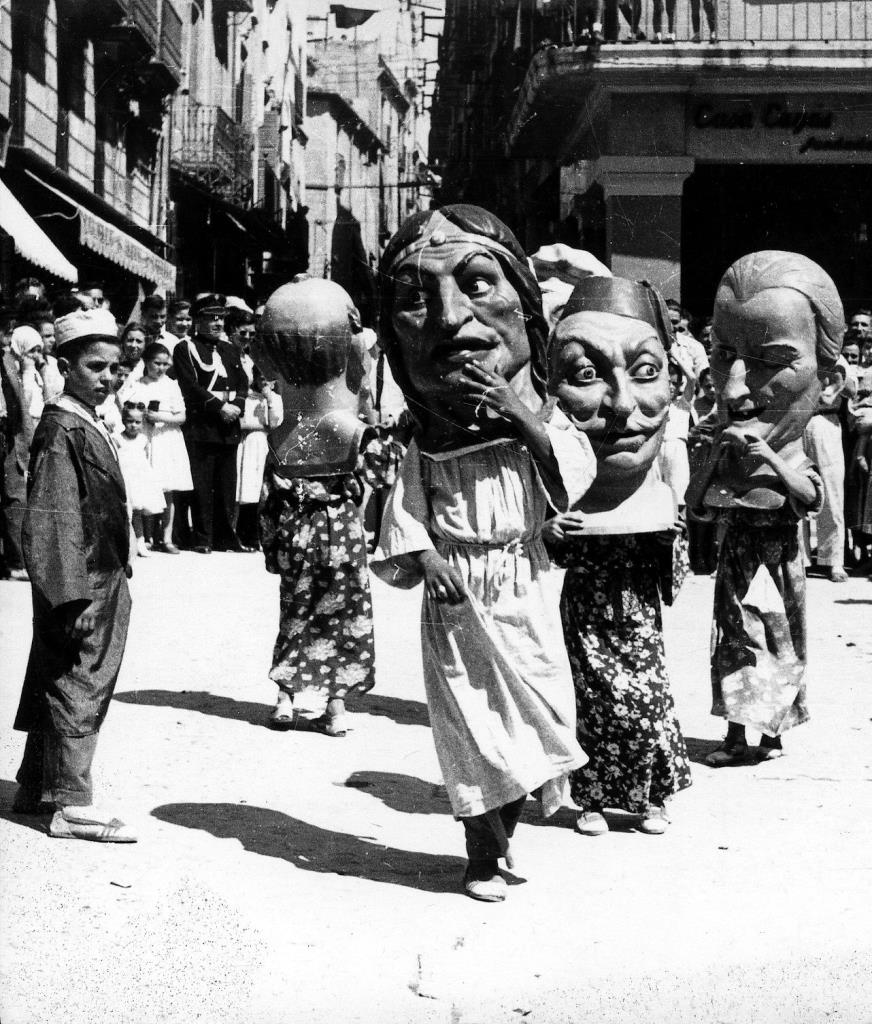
x=498 y=684
x=166 y=448
x=144 y=492
x=262 y=414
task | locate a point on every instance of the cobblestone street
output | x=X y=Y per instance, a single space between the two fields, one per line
x=298 y=878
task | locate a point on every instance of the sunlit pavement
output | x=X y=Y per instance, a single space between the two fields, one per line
x=291 y=877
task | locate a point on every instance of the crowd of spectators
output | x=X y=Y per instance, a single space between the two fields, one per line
x=190 y=414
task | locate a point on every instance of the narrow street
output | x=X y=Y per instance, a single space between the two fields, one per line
x=291 y=878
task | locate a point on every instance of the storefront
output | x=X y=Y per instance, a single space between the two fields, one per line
x=94 y=242
x=672 y=167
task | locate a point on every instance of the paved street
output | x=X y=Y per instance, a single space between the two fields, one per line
x=298 y=879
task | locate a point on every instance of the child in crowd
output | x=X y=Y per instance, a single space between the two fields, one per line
x=164 y=414
x=76 y=546
x=263 y=412
x=463 y=326
x=674 y=465
x=144 y=495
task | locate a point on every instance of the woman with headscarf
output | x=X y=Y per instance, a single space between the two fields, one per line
x=23 y=364
x=610 y=372
x=463 y=327
x=776 y=336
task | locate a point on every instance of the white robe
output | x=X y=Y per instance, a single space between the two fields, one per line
x=499 y=689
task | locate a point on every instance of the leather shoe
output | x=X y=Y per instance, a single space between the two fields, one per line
x=202 y=549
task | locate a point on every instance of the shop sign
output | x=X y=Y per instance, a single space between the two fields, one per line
x=779 y=129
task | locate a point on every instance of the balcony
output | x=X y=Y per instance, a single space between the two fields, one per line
x=209 y=146
x=732 y=21
x=164 y=70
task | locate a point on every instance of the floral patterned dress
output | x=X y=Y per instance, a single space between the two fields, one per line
x=613 y=631
x=312 y=536
x=758 y=650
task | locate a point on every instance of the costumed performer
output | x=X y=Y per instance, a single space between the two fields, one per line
x=610 y=372
x=463 y=328
x=311 y=528
x=776 y=336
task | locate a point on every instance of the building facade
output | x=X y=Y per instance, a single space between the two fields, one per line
x=668 y=161
x=84 y=90
x=366 y=162
x=237 y=147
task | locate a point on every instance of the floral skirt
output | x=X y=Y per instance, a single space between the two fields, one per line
x=612 y=625
x=325 y=639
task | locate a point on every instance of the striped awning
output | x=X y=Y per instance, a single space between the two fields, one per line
x=31 y=241
x=116 y=245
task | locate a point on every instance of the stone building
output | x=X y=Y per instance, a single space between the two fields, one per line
x=84 y=90
x=668 y=161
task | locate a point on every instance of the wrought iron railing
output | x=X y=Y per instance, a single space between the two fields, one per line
x=565 y=22
x=210 y=146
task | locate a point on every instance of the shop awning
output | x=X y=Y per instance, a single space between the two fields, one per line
x=31 y=241
x=115 y=245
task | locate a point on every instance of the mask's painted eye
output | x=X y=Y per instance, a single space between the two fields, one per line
x=646 y=371
x=583 y=375
x=477 y=287
x=410 y=294
x=723 y=353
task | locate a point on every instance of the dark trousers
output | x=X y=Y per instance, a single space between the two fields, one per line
x=67 y=690
x=58 y=768
x=481 y=843
x=213 y=500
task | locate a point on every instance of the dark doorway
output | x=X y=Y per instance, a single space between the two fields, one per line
x=823 y=212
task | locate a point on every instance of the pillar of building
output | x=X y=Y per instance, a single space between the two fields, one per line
x=643 y=208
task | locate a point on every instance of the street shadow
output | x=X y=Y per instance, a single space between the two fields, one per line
x=400 y=710
x=403 y=793
x=853 y=600
x=310 y=848
x=698 y=750
x=200 y=700
x=37 y=823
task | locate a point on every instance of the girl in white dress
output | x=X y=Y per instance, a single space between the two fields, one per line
x=144 y=494
x=263 y=413
x=164 y=416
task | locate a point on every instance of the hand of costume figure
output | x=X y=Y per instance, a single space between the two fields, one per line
x=486 y=389
x=79 y=625
x=441 y=581
x=758 y=448
x=563 y=526
x=229 y=413
x=862 y=464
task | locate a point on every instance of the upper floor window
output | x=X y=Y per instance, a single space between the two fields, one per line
x=28 y=36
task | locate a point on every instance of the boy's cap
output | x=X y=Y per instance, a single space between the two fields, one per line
x=208 y=302
x=85 y=323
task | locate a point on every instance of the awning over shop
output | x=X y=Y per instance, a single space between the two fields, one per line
x=114 y=244
x=31 y=241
